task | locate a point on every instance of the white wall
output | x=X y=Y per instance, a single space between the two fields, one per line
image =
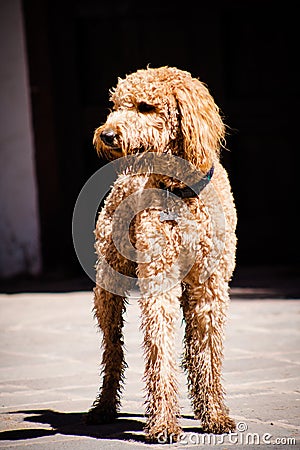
x=19 y=220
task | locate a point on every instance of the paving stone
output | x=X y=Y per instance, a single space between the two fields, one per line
x=50 y=363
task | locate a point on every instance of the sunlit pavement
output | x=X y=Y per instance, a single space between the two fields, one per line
x=50 y=354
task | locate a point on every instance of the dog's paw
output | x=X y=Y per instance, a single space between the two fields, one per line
x=163 y=434
x=220 y=425
x=99 y=416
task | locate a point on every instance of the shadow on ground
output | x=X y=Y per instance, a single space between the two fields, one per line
x=248 y=282
x=128 y=427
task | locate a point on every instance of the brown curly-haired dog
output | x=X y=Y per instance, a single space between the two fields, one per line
x=167 y=112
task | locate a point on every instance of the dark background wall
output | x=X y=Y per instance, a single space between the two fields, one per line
x=246 y=51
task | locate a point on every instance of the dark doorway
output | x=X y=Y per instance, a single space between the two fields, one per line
x=245 y=52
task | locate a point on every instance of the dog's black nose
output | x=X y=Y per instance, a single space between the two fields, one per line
x=108 y=136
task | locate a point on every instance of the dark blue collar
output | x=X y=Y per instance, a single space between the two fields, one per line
x=195 y=189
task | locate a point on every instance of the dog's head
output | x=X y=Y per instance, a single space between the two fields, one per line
x=162 y=110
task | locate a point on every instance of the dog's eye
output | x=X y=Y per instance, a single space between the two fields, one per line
x=144 y=107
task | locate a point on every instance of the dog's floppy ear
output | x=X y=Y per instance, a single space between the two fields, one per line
x=202 y=128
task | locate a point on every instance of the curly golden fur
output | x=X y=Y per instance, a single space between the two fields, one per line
x=167 y=111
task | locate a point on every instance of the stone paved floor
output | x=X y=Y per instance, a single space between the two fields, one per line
x=49 y=376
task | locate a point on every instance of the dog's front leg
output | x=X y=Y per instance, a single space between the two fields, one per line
x=109 y=308
x=159 y=315
x=108 y=311
x=160 y=307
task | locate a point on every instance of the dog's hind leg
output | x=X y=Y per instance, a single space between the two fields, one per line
x=204 y=309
